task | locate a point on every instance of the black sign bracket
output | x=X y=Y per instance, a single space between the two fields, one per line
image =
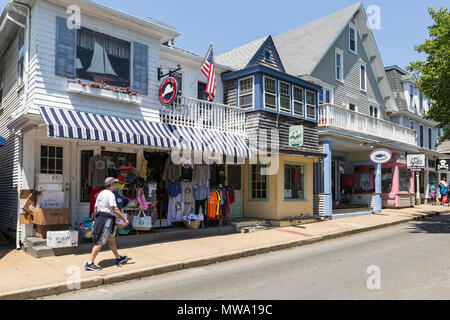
x=161 y=75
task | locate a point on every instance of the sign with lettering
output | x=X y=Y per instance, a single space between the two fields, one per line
x=416 y=162
x=381 y=156
x=296 y=134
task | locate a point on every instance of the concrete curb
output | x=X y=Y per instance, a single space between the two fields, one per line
x=60 y=288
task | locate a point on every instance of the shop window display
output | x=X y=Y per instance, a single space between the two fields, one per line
x=364 y=180
x=386 y=180
x=405 y=180
x=294 y=182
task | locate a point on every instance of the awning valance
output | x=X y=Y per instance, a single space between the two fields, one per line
x=71 y=124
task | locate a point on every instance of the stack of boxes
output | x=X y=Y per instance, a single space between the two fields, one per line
x=45 y=207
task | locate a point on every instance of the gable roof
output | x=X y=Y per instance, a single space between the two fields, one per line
x=240 y=57
x=250 y=54
x=312 y=41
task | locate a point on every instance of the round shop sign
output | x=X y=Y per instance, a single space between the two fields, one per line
x=381 y=156
x=168 y=90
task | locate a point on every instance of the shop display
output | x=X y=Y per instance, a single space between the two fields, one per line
x=142 y=222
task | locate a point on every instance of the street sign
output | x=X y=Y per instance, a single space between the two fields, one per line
x=416 y=162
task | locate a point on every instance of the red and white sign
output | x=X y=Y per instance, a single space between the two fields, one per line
x=168 y=90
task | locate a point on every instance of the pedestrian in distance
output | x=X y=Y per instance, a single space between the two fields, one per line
x=105 y=213
x=433 y=193
x=443 y=192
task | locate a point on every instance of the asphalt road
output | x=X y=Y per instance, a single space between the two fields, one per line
x=410 y=261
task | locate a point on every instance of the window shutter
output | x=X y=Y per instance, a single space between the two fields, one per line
x=140 y=68
x=65 y=49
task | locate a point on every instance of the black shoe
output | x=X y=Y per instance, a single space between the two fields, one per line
x=121 y=260
x=92 y=267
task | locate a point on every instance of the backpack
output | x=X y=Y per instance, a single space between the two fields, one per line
x=443 y=191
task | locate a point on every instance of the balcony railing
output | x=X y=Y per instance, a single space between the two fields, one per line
x=340 y=118
x=203 y=114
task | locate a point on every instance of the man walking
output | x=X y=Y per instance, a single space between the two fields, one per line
x=106 y=211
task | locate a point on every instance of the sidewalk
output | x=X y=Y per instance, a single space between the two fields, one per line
x=24 y=277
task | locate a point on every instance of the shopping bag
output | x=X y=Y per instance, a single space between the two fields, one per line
x=142 y=222
x=120 y=223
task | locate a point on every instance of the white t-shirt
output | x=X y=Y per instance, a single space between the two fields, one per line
x=105 y=201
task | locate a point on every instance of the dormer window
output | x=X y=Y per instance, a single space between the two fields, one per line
x=353 y=42
x=270 y=93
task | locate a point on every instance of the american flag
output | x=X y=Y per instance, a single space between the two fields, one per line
x=208 y=71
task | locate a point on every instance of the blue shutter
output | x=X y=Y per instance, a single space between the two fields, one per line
x=65 y=49
x=140 y=68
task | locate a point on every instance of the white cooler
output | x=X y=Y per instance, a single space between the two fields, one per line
x=62 y=239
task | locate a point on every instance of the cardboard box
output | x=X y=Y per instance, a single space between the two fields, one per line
x=47 y=217
x=30 y=203
x=26 y=218
x=62 y=239
x=50 y=200
x=41 y=231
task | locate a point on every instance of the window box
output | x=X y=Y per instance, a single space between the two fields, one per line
x=75 y=87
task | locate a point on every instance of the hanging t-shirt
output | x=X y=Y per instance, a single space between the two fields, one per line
x=187 y=171
x=202 y=174
x=175 y=210
x=94 y=194
x=98 y=171
x=187 y=192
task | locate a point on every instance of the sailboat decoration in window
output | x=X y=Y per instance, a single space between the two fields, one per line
x=101 y=68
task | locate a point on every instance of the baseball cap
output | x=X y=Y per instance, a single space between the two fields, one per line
x=109 y=181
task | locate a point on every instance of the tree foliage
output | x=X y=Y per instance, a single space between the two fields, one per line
x=433 y=74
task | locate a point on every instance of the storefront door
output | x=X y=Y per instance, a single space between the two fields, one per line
x=234 y=179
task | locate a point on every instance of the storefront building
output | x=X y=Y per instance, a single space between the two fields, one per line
x=96 y=111
x=281 y=120
x=339 y=53
x=412 y=107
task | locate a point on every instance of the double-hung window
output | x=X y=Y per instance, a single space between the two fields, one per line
x=363 y=77
x=430 y=138
x=310 y=104
x=259 y=184
x=298 y=101
x=285 y=97
x=246 y=93
x=339 y=62
x=421 y=101
x=412 y=125
x=421 y=138
x=270 y=93
x=325 y=96
x=411 y=96
x=374 y=112
x=353 y=39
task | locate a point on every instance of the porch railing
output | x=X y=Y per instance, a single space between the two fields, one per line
x=196 y=113
x=341 y=118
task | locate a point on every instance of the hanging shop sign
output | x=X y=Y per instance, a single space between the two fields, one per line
x=416 y=162
x=296 y=134
x=381 y=156
x=168 y=90
x=443 y=165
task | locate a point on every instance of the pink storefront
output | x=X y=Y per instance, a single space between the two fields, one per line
x=397 y=184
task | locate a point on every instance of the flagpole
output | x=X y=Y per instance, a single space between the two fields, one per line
x=210 y=46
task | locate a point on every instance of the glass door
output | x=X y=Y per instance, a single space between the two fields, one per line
x=234 y=179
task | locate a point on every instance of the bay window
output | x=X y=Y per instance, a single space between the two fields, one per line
x=298 y=101
x=270 y=93
x=285 y=97
x=246 y=93
x=310 y=104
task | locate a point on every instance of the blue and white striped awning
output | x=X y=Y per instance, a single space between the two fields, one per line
x=70 y=124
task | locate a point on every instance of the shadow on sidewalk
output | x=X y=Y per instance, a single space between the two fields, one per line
x=4 y=250
x=434 y=225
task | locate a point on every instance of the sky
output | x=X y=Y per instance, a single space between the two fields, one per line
x=232 y=23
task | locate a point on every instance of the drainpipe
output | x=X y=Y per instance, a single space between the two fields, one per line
x=26 y=28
